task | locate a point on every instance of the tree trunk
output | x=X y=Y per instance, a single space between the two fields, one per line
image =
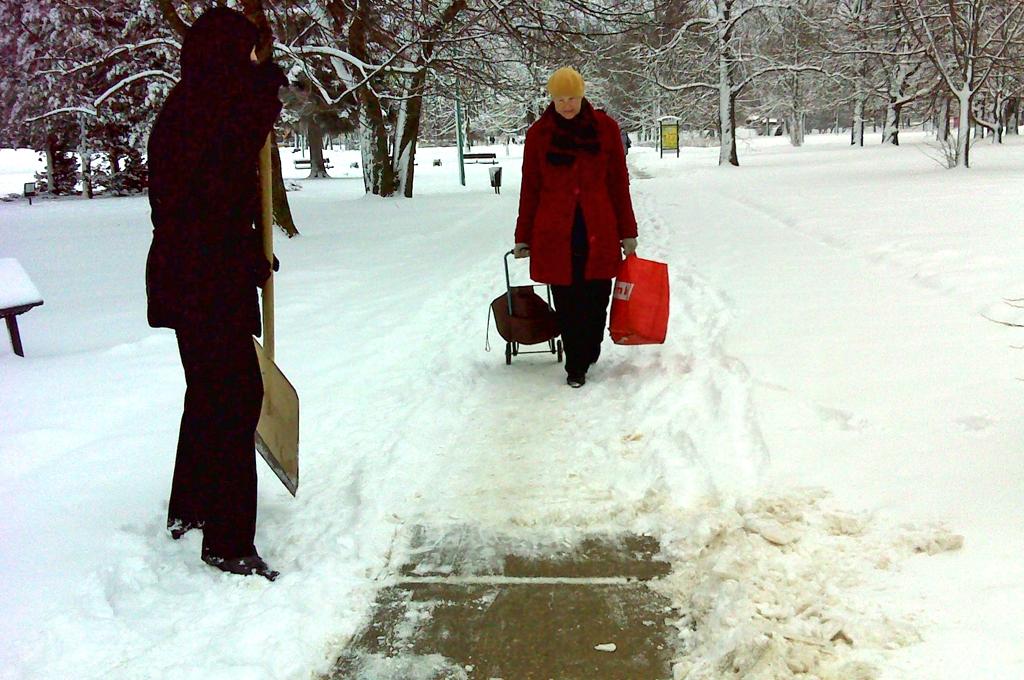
x=282 y=211
x=86 y=156
x=891 y=127
x=726 y=96
x=999 y=114
x=795 y=123
x=942 y=119
x=963 y=133
x=378 y=175
x=51 y=148
x=857 y=127
x=405 y=152
x=317 y=168
x=1012 y=115
x=114 y=157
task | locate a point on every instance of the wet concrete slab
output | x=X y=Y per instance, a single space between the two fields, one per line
x=462 y=609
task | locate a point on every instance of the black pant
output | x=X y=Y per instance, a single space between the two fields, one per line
x=215 y=469
x=582 y=309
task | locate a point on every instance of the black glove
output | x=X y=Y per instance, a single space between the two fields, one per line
x=277 y=264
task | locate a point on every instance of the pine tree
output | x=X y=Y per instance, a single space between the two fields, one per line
x=65 y=174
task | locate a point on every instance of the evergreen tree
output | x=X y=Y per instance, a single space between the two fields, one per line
x=64 y=175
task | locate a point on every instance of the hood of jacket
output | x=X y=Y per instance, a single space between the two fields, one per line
x=216 y=48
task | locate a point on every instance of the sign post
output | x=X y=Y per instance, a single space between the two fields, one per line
x=458 y=139
x=669 y=139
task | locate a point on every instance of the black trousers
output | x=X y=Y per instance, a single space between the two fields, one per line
x=215 y=469
x=582 y=311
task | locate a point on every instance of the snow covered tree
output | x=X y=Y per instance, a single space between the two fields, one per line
x=967 y=41
x=27 y=90
x=716 y=53
x=908 y=77
x=793 y=35
x=72 y=81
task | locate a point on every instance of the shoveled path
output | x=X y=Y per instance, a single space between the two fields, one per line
x=485 y=607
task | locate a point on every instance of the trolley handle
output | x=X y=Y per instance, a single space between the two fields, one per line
x=508 y=282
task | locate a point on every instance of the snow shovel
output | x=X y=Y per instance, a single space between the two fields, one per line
x=277 y=434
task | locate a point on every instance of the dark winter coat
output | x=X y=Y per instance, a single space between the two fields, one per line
x=591 y=174
x=206 y=262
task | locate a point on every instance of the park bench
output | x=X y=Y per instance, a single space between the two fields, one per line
x=301 y=163
x=17 y=295
x=482 y=157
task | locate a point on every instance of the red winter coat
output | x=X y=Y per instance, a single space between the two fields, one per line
x=599 y=183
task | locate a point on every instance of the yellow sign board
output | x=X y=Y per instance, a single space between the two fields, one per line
x=669 y=136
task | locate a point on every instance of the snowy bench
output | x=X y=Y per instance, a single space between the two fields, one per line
x=484 y=157
x=17 y=295
x=301 y=163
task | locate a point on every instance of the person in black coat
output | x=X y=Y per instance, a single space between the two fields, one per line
x=204 y=267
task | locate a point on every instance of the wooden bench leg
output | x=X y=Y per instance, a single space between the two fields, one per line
x=12 y=330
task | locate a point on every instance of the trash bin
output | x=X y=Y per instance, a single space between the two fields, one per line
x=495 y=178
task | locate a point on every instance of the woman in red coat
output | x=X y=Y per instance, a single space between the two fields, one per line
x=575 y=215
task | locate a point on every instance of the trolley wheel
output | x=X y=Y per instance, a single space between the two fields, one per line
x=559 y=346
x=508 y=353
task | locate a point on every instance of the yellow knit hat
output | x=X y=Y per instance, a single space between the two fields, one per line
x=565 y=82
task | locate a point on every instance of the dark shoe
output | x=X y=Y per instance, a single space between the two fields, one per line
x=179 y=527
x=576 y=380
x=250 y=565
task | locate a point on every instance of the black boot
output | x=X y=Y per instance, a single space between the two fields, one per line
x=250 y=565
x=576 y=380
x=180 y=527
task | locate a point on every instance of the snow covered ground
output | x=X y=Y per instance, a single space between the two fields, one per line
x=827 y=445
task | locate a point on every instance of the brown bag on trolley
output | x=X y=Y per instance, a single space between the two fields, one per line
x=531 y=321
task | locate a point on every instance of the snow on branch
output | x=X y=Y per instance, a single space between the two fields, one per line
x=335 y=53
x=57 y=112
x=131 y=79
x=124 y=82
x=780 y=68
x=120 y=49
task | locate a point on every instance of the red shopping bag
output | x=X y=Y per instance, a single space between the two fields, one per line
x=640 y=303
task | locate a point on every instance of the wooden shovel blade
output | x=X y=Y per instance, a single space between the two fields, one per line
x=277 y=434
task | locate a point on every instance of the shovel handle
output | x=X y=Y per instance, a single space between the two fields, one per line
x=267 y=236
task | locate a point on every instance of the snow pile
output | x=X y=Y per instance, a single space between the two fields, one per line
x=16 y=288
x=775 y=588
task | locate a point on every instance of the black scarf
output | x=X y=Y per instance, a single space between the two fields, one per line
x=574 y=136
